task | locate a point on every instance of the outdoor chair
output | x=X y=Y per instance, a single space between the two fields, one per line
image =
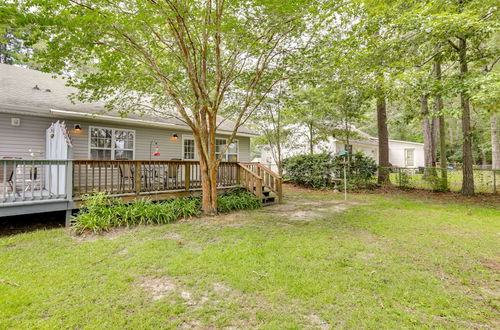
x=126 y=175
x=7 y=174
x=172 y=174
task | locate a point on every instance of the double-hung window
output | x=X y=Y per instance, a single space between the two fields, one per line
x=231 y=154
x=232 y=151
x=188 y=152
x=111 y=143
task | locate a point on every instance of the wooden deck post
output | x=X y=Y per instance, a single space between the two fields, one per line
x=137 y=177
x=69 y=192
x=279 y=187
x=258 y=189
x=187 y=175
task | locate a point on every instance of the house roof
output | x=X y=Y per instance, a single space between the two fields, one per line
x=25 y=88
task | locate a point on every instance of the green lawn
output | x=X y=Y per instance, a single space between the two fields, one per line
x=379 y=261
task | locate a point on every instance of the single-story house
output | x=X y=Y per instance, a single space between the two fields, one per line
x=39 y=122
x=405 y=154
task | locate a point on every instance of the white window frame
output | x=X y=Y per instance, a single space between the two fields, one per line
x=226 y=156
x=188 y=137
x=406 y=150
x=225 y=159
x=113 y=149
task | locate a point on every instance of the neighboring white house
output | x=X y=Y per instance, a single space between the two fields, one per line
x=401 y=153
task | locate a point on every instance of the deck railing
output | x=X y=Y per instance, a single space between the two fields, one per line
x=142 y=177
x=269 y=179
x=33 y=180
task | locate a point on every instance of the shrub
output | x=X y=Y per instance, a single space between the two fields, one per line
x=315 y=171
x=360 y=170
x=238 y=201
x=101 y=212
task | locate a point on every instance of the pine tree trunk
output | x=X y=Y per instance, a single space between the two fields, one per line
x=495 y=143
x=383 y=140
x=442 y=132
x=467 y=170
x=428 y=136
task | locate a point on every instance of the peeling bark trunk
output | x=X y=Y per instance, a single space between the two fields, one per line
x=383 y=140
x=495 y=143
x=205 y=144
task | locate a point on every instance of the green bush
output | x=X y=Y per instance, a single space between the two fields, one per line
x=314 y=171
x=240 y=200
x=360 y=170
x=318 y=171
x=102 y=212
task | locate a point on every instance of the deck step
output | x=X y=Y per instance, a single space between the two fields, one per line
x=268 y=200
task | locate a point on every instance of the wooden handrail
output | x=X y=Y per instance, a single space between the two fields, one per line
x=265 y=168
x=254 y=174
x=269 y=178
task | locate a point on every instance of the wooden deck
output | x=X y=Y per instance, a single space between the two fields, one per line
x=61 y=184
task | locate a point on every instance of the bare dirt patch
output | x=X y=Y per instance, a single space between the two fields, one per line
x=158 y=287
x=173 y=236
x=317 y=322
x=91 y=237
x=492 y=264
x=303 y=210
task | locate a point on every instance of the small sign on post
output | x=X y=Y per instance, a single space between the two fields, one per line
x=344 y=154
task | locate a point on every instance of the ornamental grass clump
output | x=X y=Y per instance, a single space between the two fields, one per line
x=102 y=212
x=239 y=200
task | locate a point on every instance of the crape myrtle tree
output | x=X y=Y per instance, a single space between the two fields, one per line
x=192 y=60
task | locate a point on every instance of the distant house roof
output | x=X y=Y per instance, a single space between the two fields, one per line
x=28 y=88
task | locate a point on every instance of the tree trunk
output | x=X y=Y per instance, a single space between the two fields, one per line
x=442 y=132
x=495 y=143
x=467 y=170
x=205 y=143
x=428 y=132
x=311 y=136
x=383 y=140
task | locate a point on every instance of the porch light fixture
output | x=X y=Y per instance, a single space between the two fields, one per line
x=77 y=128
x=174 y=137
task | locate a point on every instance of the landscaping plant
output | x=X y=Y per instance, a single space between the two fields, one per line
x=101 y=212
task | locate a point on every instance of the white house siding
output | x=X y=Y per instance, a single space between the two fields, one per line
x=16 y=141
x=397 y=153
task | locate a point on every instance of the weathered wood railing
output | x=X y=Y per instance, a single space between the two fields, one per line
x=143 y=177
x=251 y=181
x=32 y=180
x=23 y=180
x=269 y=179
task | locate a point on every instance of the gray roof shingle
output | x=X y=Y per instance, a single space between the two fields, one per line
x=30 y=88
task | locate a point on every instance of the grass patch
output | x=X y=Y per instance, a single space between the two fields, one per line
x=380 y=261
